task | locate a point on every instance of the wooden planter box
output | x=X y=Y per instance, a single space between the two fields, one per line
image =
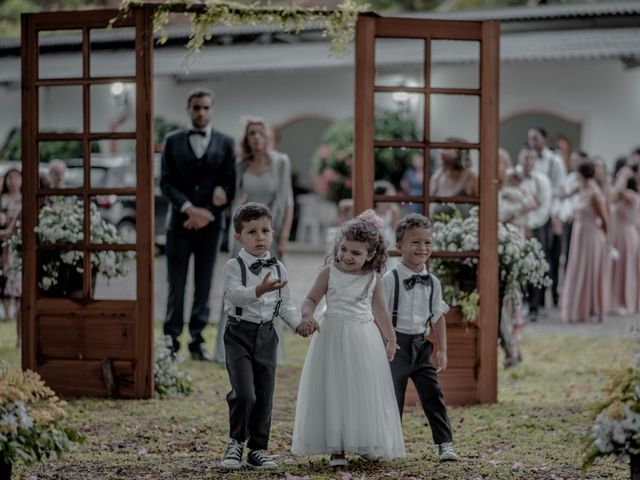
x=460 y=380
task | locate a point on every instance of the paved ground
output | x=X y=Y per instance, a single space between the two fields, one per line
x=613 y=326
x=302 y=268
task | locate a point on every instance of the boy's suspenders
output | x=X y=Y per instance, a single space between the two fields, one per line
x=396 y=298
x=243 y=279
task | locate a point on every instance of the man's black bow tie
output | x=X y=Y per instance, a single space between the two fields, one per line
x=256 y=267
x=198 y=132
x=411 y=282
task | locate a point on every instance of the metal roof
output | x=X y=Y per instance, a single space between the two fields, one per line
x=511 y=14
x=235 y=59
x=539 y=12
x=311 y=52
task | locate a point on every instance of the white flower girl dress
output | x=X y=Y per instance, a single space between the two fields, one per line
x=346 y=400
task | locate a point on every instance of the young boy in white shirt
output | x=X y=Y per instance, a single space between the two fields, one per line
x=414 y=298
x=255 y=292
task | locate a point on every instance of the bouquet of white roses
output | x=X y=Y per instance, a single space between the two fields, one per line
x=60 y=221
x=522 y=261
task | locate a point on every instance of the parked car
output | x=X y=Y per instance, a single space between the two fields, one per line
x=120 y=210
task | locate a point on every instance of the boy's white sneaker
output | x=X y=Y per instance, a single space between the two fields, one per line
x=232 y=459
x=446 y=453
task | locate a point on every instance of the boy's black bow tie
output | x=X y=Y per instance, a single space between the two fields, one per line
x=198 y=132
x=256 y=267
x=411 y=282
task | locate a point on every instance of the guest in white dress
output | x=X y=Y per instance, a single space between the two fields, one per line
x=346 y=401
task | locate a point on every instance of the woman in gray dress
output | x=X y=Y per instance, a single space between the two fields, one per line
x=454 y=178
x=263 y=175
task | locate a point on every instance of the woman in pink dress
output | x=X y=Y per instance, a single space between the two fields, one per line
x=626 y=208
x=585 y=291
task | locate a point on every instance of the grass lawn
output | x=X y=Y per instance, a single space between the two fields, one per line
x=532 y=433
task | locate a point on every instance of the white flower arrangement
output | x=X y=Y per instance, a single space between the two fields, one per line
x=522 y=261
x=616 y=428
x=60 y=221
x=169 y=380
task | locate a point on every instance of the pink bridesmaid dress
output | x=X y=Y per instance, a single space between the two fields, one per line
x=585 y=291
x=625 y=271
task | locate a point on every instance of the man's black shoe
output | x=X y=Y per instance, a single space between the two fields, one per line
x=202 y=355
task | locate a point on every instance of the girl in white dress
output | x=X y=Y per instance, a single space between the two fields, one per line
x=346 y=402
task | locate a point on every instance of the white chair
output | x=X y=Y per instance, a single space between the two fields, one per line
x=308 y=224
x=316 y=216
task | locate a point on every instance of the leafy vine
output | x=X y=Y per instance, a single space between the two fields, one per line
x=338 y=24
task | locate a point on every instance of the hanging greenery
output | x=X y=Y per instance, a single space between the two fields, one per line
x=338 y=24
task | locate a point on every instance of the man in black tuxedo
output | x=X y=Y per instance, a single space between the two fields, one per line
x=198 y=179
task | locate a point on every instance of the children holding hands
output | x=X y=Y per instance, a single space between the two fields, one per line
x=351 y=390
x=255 y=293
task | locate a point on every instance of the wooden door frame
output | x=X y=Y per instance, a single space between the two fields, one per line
x=141 y=309
x=370 y=27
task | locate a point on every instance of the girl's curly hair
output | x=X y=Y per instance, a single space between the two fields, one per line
x=361 y=229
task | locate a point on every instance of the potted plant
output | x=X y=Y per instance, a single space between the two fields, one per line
x=616 y=420
x=60 y=221
x=333 y=160
x=522 y=262
x=30 y=417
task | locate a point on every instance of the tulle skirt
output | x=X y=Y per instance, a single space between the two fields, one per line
x=346 y=400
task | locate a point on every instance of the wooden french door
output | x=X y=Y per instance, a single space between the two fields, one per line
x=88 y=299
x=441 y=79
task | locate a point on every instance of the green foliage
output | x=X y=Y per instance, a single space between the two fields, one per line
x=169 y=380
x=63 y=150
x=12 y=148
x=30 y=414
x=469 y=302
x=162 y=126
x=334 y=158
x=339 y=24
x=405 y=5
x=10 y=11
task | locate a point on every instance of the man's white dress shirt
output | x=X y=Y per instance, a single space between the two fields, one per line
x=552 y=166
x=199 y=144
x=539 y=187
